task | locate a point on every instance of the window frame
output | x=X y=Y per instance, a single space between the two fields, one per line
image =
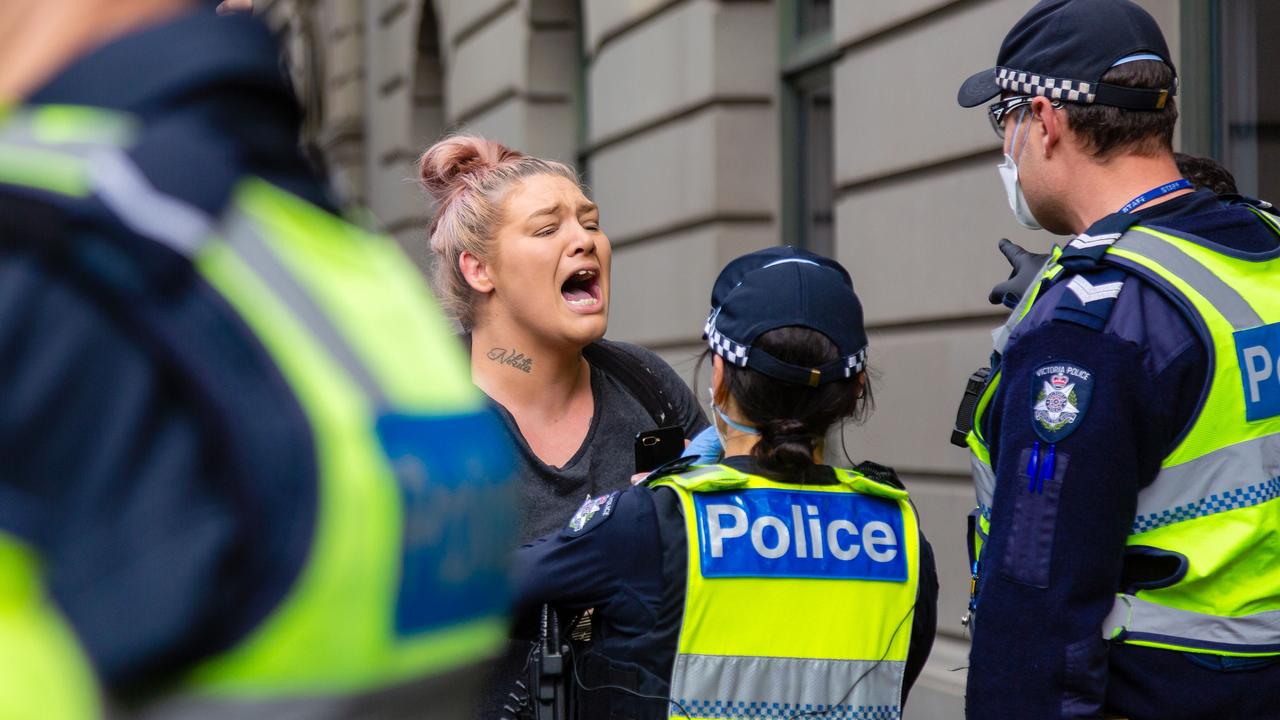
x=803 y=60
x=1200 y=78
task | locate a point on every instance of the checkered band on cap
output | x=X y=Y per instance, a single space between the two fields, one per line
x=736 y=353
x=725 y=347
x=855 y=363
x=1025 y=83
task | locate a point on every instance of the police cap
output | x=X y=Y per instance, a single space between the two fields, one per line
x=1061 y=49
x=786 y=287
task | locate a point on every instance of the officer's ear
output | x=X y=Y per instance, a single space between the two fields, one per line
x=718 y=389
x=476 y=272
x=1052 y=126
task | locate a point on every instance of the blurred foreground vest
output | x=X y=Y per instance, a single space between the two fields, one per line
x=404 y=587
x=43 y=673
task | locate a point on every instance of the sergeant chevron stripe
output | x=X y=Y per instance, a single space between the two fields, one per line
x=1088 y=292
x=1084 y=242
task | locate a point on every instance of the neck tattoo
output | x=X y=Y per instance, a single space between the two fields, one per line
x=517 y=360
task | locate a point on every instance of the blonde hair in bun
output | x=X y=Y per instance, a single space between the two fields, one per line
x=469 y=177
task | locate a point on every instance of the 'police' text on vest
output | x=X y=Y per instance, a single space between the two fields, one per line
x=783 y=533
x=1258 y=350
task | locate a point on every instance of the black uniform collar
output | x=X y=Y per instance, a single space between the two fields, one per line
x=1194 y=203
x=214 y=104
x=166 y=64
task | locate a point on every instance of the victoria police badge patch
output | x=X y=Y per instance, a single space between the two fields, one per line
x=592 y=512
x=1060 y=394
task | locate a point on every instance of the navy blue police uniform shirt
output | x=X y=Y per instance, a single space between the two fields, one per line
x=629 y=562
x=1052 y=564
x=163 y=539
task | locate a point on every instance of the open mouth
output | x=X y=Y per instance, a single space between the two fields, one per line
x=582 y=289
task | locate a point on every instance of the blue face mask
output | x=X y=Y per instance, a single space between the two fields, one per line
x=716 y=412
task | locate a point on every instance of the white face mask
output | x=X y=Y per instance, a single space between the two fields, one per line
x=1009 y=176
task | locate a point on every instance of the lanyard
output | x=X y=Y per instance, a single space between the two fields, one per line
x=1153 y=193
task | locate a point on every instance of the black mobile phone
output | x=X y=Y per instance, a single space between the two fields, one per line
x=656 y=447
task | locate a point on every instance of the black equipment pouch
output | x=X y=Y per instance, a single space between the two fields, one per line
x=964 y=414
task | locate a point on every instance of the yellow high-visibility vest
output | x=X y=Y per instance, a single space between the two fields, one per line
x=799 y=598
x=43 y=673
x=1212 y=506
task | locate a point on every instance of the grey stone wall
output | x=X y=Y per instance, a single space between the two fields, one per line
x=682 y=154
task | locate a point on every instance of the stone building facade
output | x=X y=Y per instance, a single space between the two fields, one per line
x=709 y=128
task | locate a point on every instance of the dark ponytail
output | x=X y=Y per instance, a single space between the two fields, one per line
x=794 y=419
x=785 y=445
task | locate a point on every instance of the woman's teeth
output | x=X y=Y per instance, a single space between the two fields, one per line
x=579 y=289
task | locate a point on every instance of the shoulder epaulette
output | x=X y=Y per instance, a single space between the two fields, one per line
x=1237 y=199
x=882 y=474
x=1085 y=250
x=1091 y=286
x=671 y=467
x=1090 y=297
x=700 y=478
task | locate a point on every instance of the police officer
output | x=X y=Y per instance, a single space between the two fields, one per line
x=1127 y=444
x=769 y=583
x=238 y=445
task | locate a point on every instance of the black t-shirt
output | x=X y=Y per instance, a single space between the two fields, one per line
x=605 y=461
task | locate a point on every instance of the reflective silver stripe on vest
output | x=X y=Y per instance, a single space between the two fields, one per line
x=125 y=190
x=26 y=128
x=1138 y=619
x=984 y=481
x=243 y=236
x=144 y=209
x=1236 y=476
x=1222 y=296
x=724 y=686
x=184 y=228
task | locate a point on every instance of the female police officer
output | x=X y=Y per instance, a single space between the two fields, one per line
x=770 y=585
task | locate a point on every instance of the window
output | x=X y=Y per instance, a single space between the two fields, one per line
x=1249 y=116
x=427 y=122
x=812 y=17
x=808 y=141
x=1230 y=69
